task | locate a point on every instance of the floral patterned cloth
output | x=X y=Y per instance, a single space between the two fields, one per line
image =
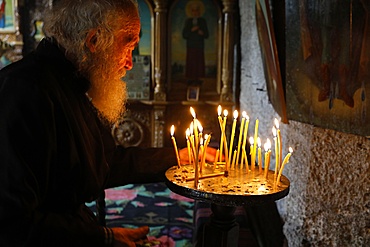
x=169 y=215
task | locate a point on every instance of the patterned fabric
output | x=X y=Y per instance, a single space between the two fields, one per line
x=169 y=216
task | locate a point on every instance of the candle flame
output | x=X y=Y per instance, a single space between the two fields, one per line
x=251 y=140
x=201 y=141
x=236 y=114
x=274 y=131
x=200 y=127
x=192 y=112
x=276 y=123
x=187 y=133
x=259 y=142
x=172 y=130
x=226 y=113
x=244 y=114
x=191 y=128
x=219 y=110
x=290 y=150
x=267 y=145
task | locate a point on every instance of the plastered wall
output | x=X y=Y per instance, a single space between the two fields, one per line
x=329 y=199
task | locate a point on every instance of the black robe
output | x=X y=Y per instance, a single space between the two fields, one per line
x=55 y=155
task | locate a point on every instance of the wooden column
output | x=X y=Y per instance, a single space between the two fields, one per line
x=160 y=54
x=228 y=50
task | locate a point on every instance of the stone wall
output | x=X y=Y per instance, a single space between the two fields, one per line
x=329 y=199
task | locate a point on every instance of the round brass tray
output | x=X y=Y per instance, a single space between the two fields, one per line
x=239 y=187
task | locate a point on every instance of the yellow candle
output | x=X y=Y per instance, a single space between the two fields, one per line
x=187 y=134
x=234 y=158
x=224 y=141
x=286 y=160
x=253 y=154
x=245 y=141
x=255 y=139
x=276 y=151
x=279 y=141
x=259 y=155
x=217 y=154
x=204 y=152
x=195 y=127
x=267 y=147
x=175 y=146
x=232 y=135
x=240 y=136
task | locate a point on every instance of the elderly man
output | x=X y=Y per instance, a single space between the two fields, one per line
x=57 y=106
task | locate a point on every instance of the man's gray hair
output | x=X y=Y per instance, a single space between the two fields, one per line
x=69 y=22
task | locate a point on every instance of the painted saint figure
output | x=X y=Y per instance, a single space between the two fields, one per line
x=2 y=13
x=195 y=31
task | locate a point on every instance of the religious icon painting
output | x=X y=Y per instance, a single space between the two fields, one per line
x=194 y=59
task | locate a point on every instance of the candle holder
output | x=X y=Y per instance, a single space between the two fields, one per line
x=225 y=193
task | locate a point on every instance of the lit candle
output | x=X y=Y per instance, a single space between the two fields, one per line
x=232 y=135
x=222 y=132
x=276 y=151
x=195 y=127
x=253 y=154
x=280 y=141
x=187 y=134
x=255 y=142
x=280 y=144
x=244 y=154
x=259 y=155
x=244 y=114
x=267 y=147
x=286 y=160
x=202 y=153
x=174 y=145
x=200 y=129
x=206 y=142
x=227 y=161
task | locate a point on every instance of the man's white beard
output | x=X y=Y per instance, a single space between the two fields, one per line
x=109 y=97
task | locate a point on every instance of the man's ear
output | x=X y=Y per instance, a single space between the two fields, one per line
x=91 y=39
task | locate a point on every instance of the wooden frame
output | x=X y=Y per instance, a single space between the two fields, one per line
x=326 y=63
x=10 y=37
x=9 y=21
x=193 y=93
x=270 y=58
x=193 y=55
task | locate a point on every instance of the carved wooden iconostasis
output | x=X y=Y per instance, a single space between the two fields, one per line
x=163 y=83
x=169 y=77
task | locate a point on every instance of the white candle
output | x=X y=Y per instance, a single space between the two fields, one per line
x=175 y=146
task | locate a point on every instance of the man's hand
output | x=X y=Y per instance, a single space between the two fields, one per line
x=126 y=237
x=210 y=155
